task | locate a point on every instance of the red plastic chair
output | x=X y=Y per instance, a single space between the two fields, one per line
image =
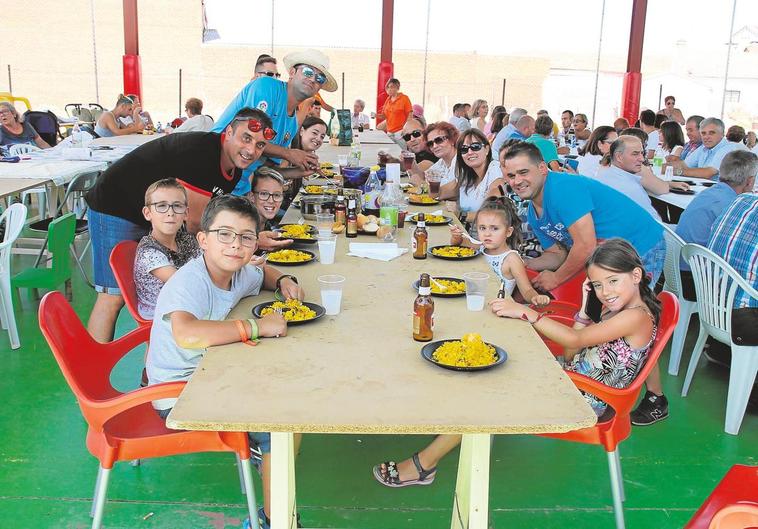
x=739 y=486
x=122 y=264
x=610 y=433
x=124 y=426
x=569 y=291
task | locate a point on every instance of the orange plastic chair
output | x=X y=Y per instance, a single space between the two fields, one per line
x=610 y=433
x=570 y=291
x=122 y=264
x=124 y=426
x=739 y=487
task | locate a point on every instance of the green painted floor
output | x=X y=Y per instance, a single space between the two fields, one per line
x=47 y=476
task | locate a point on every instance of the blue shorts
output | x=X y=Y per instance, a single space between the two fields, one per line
x=105 y=232
x=260 y=440
x=653 y=261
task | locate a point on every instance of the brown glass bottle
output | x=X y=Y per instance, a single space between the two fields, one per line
x=423 y=311
x=420 y=238
x=340 y=211
x=352 y=220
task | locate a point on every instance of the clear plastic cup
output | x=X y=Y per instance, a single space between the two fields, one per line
x=476 y=290
x=331 y=293
x=342 y=161
x=327 y=247
x=324 y=223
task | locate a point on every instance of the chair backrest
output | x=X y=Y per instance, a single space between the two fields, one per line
x=569 y=291
x=45 y=123
x=72 y=109
x=96 y=112
x=122 y=263
x=79 y=185
x=85 y=363
x=14 y=218
x=666 y=325
x=716 y=285
x=7 y=96
x=674 y=245
x=61 y=233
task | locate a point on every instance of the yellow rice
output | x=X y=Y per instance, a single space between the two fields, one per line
x=470 y=351
x=289 y=256
x=296 y=310
x=453 y=251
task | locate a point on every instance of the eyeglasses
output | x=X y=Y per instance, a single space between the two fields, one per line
x=3 y=112
x=310 y=72
x=265 y=195
x=439 y=140
x=415 y=134
x=476 y=147
x=270 y=74
x=254 y=125
x=228 y=237
x=178 y=208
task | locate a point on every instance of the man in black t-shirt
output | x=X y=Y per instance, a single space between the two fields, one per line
x=206 y=163
x=413 y=134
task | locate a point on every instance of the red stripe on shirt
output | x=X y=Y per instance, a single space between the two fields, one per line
x=197 y=190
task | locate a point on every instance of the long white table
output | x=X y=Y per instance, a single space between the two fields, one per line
x=132 y=140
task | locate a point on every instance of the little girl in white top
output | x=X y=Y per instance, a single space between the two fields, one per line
x=497 y=224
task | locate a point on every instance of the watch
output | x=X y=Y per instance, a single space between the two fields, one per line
x=285 y=276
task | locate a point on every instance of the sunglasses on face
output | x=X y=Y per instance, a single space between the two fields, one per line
x=270 y=74
x=310 y=72
x=414 y=134
x=253 y=125
x=163 y=207
x=439 y=140
x=228 y=237
x=476 y=147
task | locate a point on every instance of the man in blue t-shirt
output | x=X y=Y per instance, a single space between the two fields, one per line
x=308 y=73
x=576 y=212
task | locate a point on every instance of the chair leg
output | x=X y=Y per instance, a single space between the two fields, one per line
x=680 y=333
x=101 y=491
x=741 y=379
x=621 y=476
x=10 y=316
x=694 y=359
x=241 y=476
x=618 y=505
x=78 y=262
x=252 y=507
x=41 y=253
x=135 y=462
x=68 y=290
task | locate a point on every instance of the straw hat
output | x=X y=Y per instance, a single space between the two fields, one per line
x=316 y=59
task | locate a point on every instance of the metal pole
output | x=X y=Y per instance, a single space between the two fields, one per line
x=660 y=94
x=94 y=50
x=502 y=99
x=426 y=50
x=597 y=65
x=343 y=90
x=180 y=92
x=728 y=56
x=272 y=27
x=10 y=80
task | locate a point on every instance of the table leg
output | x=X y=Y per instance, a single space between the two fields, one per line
x=283 y=506
x=471 y=502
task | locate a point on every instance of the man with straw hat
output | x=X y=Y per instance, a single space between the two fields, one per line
x=308 y=73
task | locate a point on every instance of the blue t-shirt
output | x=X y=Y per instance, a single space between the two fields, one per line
x=567 y=198
x=270 y=96
x=547 y=147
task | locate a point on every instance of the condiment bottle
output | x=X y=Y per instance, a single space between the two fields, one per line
x=340 y=211
x=423 y=311
x=352 y=220
x=420 y=238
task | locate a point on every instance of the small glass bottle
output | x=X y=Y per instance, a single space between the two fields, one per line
x=340 y=211
x=423 y=311
x=352 y=220
x=420 y=238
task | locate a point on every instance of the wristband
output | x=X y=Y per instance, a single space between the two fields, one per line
x=584 y=321
x=253 y=329
x=241 y=330
x=284 y=276
x=539 y=316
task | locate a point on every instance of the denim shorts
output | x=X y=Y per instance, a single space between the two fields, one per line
x=257 y=439
x=105 y=232
x=653 y=261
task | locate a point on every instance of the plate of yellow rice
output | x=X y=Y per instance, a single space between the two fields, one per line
x=470 y=353
x=290 y=257
x=455 y=287
x=295 y=312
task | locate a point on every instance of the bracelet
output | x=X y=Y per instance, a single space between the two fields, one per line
x=285 y=276
x=241 y=329
x=253 y=329
x=539 y=316
x=580 y=319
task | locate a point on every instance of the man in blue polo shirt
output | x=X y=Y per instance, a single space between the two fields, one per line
x=308 y=73
x=705 y=161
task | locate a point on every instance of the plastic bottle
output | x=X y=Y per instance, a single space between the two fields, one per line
x=159 y=128
x=372 y=193
x=392 y=196
x=76 y=135
x=355 y=154
x=658 y=159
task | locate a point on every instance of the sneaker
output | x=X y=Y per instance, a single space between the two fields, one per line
x=651 y=409
x=256 y=457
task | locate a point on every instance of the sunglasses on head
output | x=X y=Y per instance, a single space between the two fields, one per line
x=476 y=147
x=253 y=125
x=310 y=72
x=271 y=74
x=439 y=140
x=414 y=134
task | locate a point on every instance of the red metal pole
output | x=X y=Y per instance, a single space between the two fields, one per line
x=386 y=68
x=131 y=60
x=630 y=91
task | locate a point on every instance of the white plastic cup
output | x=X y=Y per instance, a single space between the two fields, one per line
x=327 y=247
x=331 y=293
x=324 y=223
x=476 y=290
x=669 y=175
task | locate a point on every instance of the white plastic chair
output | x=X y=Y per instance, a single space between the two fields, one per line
x=716 y=284
x=15 y=217
x=674 y=245
x=18 y=149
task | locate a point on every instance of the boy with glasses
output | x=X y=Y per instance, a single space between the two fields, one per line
x=308 y=73
x=191 y=312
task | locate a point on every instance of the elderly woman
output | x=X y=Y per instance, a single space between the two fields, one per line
x=195 y=118
x=358 y=119
x=14 y=130
x=580 y=129
x=593 y=151
x=477 y=173
x=267 y=195
x=440 y=139
x=479 y=111
x=109 y=124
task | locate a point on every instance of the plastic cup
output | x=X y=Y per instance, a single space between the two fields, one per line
x=476 y=290
x=331 y=293
x=408 y=159
x=433 y=179
x=342 y=161
x=324 y=223
x=669 y=174
x=327 y=247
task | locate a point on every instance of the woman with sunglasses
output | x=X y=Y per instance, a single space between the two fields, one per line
x=267 y=196
x=477 y=173
x=396 y=111
x=440 y=139
x=593 y=151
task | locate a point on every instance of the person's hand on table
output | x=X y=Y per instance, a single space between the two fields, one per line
x=682 y=186
x=540 y=300
x=291 y=290
x=545 y=281
x=272 y=326
x=270 y=240
x=305 y=160
x=507 y=308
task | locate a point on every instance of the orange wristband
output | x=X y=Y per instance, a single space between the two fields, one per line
x=244 y=338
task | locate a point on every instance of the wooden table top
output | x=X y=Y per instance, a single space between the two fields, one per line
x=361 y=371
x=12 y=186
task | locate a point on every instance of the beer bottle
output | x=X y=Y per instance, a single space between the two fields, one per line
x=352 y=220
x=340 y=211
x=420 y=237
x=423 y=311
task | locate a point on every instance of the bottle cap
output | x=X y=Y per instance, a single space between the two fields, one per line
x=393 y=172
x=374 y=167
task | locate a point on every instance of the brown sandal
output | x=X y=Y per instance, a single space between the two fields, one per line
x=386 y=473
